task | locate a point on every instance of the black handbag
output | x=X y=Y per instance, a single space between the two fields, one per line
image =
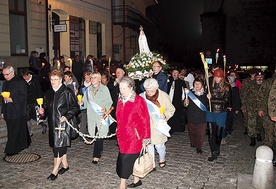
x=73 y=133
x=74 y=122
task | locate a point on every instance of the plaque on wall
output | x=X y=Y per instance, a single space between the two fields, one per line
x=60 y=28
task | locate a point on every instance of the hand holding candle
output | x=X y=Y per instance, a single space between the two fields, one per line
x=6 y=94
x=39 y=102
x=79 y=97
x=162 y=110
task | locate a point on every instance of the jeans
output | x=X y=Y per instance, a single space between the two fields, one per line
x=161 y=150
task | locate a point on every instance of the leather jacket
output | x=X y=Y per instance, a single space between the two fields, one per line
x=220 y=99
x=60 y=103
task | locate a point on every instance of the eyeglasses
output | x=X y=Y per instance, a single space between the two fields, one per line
x=7 y=73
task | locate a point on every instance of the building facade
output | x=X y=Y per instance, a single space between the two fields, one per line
x=243 y=30
x=69 y=27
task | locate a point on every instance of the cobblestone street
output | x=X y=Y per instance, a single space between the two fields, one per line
x=185 y=168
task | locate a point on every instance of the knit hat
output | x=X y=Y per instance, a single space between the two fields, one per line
x=232 y=81
x=218 y=73
x=231 y=78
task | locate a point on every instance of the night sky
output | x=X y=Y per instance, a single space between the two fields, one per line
x=180 y=29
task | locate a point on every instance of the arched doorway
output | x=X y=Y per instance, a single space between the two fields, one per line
x=56 y=35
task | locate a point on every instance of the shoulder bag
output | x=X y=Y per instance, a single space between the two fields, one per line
x=143 y=165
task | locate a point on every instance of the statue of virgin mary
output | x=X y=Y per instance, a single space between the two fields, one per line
x=142 y=41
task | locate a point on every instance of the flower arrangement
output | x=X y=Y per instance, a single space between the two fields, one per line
x=140 y=65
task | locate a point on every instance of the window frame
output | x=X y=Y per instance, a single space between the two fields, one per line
x=20 y=13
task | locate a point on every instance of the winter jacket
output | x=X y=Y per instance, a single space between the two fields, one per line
x=220 y=100
x=133 y=124
x=60 y=103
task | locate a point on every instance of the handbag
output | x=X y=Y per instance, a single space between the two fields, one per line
x=74 y=122
x=143 y=165
x=73 y=133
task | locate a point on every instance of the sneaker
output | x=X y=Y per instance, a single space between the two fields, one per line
x=223 y=141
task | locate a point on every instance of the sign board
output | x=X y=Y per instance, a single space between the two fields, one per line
x=60 y=28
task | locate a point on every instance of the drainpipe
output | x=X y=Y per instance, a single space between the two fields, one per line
x=112 y=34
x=47 y=28
x=124 y=32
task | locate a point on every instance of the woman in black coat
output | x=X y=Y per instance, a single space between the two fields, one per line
x=61 y=105
x=196 y=116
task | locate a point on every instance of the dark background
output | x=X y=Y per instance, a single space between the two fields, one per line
x=178 y=29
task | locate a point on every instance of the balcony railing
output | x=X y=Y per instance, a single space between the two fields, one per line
x=127 y=16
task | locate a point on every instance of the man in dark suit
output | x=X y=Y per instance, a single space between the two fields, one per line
x=113 y=87
x=176 y=92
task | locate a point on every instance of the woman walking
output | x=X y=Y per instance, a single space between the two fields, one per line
x=133 y=130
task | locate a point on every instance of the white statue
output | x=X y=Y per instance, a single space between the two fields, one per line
x=142 y=41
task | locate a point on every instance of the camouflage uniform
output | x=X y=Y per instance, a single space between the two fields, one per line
x=249 y=97
x=272 y=100
x=262 y=104
x=243 y=92
x=272 y=107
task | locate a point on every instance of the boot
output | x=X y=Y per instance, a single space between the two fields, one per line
x=245 y=131
x=44 y=128
x=214 y=156
x=253 y=141
x=259 y=137
x=274 y=161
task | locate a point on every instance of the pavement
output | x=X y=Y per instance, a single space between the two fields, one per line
x=185 y=168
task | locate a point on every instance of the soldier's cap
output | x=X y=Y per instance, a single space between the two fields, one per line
x=253 y=71
x=260 y=73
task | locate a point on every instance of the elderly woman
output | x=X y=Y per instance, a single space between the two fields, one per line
x=161 y=110
x=61 y=105
x=196 y=114
x=133 y=130
x=97 y=101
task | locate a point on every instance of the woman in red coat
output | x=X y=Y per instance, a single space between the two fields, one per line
x=133 y=130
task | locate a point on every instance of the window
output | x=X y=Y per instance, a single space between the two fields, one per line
x=77 y=36
x=18 y=27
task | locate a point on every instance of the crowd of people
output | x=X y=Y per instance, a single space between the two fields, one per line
x=146 y=112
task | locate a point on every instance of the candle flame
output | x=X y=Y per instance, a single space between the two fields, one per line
x=217 y=50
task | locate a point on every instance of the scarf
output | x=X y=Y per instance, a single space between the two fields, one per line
x=199 y=93
x=86 y=84
x=153 y=98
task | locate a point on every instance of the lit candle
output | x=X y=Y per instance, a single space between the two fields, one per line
x=205 y=64
x=70 y=63
x=224 y=63
x=58 y=64
x=79 y=97
x=202 y=56
x=162 y=110
x=39 y=102
x=217 y=56
x=91 y=62
x=109 y=62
